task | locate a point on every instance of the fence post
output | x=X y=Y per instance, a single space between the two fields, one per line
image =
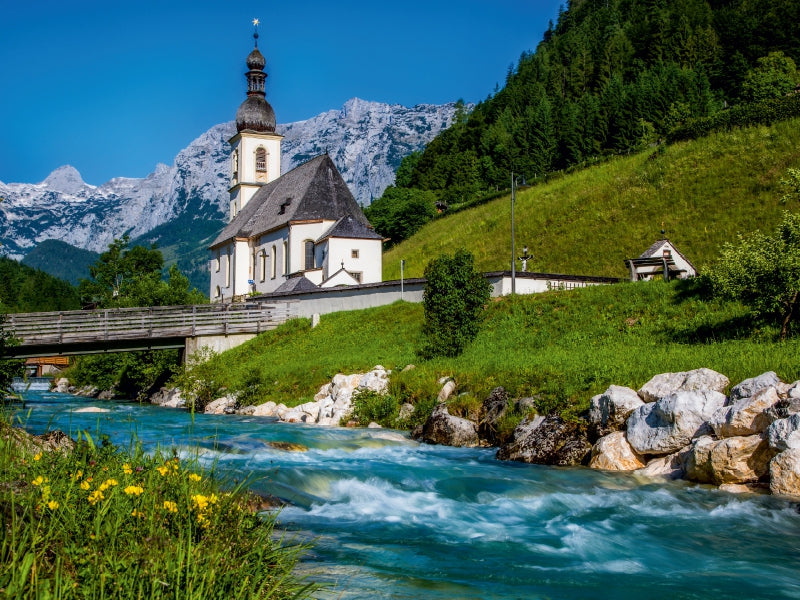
x=105 y=324
x=194 y=319
x=60 y=328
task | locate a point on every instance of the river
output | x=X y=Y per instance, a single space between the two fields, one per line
x=390 y=518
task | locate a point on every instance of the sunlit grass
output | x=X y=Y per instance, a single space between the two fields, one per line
x=704 y=192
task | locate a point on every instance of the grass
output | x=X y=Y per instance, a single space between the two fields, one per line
x=701 y=192
x=561 y=347
x=97 y=523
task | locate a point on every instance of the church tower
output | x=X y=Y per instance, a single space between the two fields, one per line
x=256 y=148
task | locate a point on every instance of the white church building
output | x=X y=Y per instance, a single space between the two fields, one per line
x=298 y=231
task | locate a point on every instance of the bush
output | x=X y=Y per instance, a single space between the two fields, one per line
x=370 y=406
x=453 y=301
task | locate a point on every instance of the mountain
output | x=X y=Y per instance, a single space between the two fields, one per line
x=178 y=205
x=72 y=265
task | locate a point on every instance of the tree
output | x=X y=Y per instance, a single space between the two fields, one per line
x=453 y=301
x=9 y=368
x=126 y=277
x=763 y=271
x=400 y=212
x=774 y=76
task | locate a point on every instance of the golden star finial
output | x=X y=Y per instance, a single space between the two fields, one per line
x=255 y=22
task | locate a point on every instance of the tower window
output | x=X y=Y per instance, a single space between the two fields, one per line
x=261 y=160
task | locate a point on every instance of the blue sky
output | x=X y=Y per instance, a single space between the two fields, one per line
x=114 y=87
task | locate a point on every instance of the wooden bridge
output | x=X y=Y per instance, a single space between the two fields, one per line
x=128 y=329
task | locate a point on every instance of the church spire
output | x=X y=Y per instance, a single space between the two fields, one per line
x=255 y=113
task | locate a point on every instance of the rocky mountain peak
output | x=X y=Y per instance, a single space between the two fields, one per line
x=65 y=179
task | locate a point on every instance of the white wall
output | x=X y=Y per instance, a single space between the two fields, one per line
x=369 y=262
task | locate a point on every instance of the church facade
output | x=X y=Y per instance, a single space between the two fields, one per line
x=300 y=230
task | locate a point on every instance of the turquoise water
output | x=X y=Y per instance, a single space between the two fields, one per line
x=391 y=518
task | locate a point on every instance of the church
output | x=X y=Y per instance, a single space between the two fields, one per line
x=298 y=231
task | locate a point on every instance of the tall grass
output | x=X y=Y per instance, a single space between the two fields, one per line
x=560 y=347
x=588 y=222
x=97 y=523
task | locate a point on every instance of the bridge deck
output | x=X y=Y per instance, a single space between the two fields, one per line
x=136 y=328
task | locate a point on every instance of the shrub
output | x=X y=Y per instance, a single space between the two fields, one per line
x=453 y=301
x=370 y=406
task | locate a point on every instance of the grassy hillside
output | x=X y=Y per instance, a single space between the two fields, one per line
x=704 y=192
x=563 y=347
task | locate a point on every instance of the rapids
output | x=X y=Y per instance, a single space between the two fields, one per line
x=391 y=518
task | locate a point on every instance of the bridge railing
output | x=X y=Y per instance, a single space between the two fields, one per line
x=142 y=323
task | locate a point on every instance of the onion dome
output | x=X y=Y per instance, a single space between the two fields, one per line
x=255 y=113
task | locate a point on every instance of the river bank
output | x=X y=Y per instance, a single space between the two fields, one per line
x=388 y=517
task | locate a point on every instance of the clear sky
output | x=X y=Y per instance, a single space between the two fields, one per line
x=114 y=87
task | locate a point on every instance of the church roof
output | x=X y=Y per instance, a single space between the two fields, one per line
x=296 y=284
x=349 y=227
x=313 y=191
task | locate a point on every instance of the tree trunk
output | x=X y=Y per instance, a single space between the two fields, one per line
x=789 y=314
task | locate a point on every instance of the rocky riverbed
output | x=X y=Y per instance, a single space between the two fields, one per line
x=676 y=426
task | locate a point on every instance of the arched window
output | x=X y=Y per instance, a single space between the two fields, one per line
x=261 y=163
x=309 y=251
x=263 y=265
x=274 y=264
x=235 y=166
x=217 y=292
x=285 y=258
x=228 y=267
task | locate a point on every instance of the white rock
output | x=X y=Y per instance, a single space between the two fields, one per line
x=293 y=416
x=265 y=410
x=610 y=410
x=666 y=426
x=614 y=453
x=666 y=384
x=784 y=473
x=447 y=390
x=784 y=434
x=220 y=405
x=749 y=387
x=91 y=409
x=344 y=385
x=311 y=409
x=374 y=425
x=377 y=380
x=744 y=488
x=62 y=385
x=672 y=466
x=743 y=459
x=281 y=410
x=746 y=416
x=324 y=392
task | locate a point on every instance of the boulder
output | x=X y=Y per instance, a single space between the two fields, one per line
x=746 y=416
x=547 y=441
x=609 y=411
x=784 y=434
x=406 y=410
x=672 y=466
x=494 y=408
x=264 y=410
x=311 y=410
x=377 y=380
x=784 y=473
x=447 y=390
x=749 y=387
x=91 y=409
x=743 y=459
x=62 y=385
x=374 y=425
x=293 y=415
x=744 y=488
x=168 y=398
x=613 y=453
x=666 y=426
x=667 y=384
x=343 y=386
x=324 y=392
x=221 y=406
x=526 y=405
x=443 y=428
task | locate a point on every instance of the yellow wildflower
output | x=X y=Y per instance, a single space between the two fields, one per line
x=213 y=498
x=95 y=497
x=137 y=513
x=170 y=506
x=200 y=501
x=85 y=485
x=39 y=480
x=126 y=468
x=107 y=484
x=78 y=475
x=163 y=470
x=195 y=477
x=52 y=505
x=134 y=490
x=37 y=456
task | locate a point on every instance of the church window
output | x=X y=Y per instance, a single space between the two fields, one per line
x=274 y=264
x=356 y=276
x=228 y=268
x=285 y=258
x=235 y=166
x=353 y=253
x=261 y=163
x=263 y=265
x=217 y=292
x=309 y=249
x=217 y=262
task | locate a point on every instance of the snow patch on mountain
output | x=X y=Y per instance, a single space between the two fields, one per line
x=366 y=140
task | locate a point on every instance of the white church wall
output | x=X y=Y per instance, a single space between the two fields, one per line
x=272 y=245
x=299 y=234
x=358 y=255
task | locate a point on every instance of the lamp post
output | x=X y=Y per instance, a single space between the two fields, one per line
x=513 y=249
x=402 y=266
